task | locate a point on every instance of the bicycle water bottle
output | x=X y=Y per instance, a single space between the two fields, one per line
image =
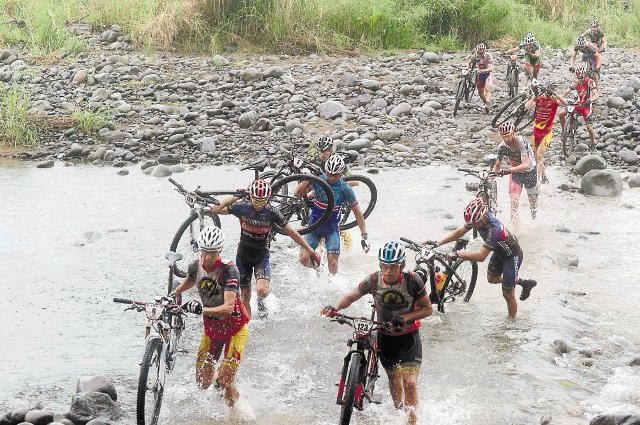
x=441 y=278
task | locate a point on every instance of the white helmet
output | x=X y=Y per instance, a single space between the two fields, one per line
x=324 y=143
x=335 y=165
x=529 y=38
x=211 y=238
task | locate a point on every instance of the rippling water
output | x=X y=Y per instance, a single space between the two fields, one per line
x=65 y=254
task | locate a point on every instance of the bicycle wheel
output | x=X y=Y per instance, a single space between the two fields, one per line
x=150 y=387
x=297 y=210
x=493 y=197
x=470 y=86
x=515 y=76
x=460 y=91
x=508 y=110
x=569 y=136
x=463 y=280
x=524 y=118
x=185 y=240
x=367 y=196
x=351 y=386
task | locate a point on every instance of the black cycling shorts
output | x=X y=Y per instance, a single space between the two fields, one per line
x=252 y=261
x=403 y=351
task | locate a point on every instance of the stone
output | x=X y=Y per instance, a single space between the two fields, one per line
x=347 y=80
x=628 y=156
x=399 y=147
x=372 y=85
x=46 y=164
x=80 y=77
x=75 y=150
x=626 y=93
x=124 y=108
x=635 y=361
x=273 y=72
x=359 y=144
x=123 y=172
x=430 y=57
x=148 y=164
x=331 y=109
x=616 y=102
x=389 y=135
x=151 y=78
x=39 y=417
x=100 y=95
x=569 y=260
x=207 y=144
x=588 y=163
x=606 y=183
x=97 y=383
x=616 y=419
x=98 y=421
x=177 y=168
x=86 y=406
x=249 y=74
x=263 y=124
x=161 y=171
x=560 y=346
x=18 y=415
x=402 y=109
x=433 y=104
x=292 y=125
x=247 y=119
x=634 y=180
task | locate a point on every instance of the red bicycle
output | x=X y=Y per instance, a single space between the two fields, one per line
x=360 y=369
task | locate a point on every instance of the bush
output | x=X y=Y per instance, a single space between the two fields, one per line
x=16 y=127
x=90 y=121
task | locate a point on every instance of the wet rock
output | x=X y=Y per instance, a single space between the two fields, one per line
x=39 y=417
x=588 y=163
x=563 y=229
x=545 y=420
x=45 y=164
x=616 y=419
x=18 y=415
x=161 y=171
x=97 y=383
x=616 y=102
x=331 y=109
x=86 y=406
x=560 y=346
x=635 y=361
x=605 y=183
x=123 y=172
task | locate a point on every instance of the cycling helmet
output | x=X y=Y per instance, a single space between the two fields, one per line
x=211 y=238
x=581 y=41
x=581 y=72
x=324 y=143
x=535 y=87
x=595 y=23
x=475 y=211
x=481 y=48
x=550 y=87
x=260 y=190
x=392 y=253
x=529 y=38
x=335 y=164
x=506 y=127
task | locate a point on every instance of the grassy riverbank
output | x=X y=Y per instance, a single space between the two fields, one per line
x=299 y=26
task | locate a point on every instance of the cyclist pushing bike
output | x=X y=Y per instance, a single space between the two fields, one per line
x=484 y=64
x=522 y=168
x=506 y=259
x=533 y=54
x=224 y=316
x=590 y=55
x=401 y=300
x=587 y=91
x=257 y=218
x=595 y=35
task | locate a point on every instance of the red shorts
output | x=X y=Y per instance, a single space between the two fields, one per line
x=542 y=136
x=585 y=111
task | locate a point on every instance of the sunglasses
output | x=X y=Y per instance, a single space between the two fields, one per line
x=259 y=202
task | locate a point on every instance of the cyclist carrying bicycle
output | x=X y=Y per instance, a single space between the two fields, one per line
x=533 y=53
x=484 y=64
x=587 y=94
x=505 y=262
x=590 y=55
x=330 y=231
x=546 y=102
x=522 y=168
x=224 y=316
x=257 y=218
x=595 y=35
x=401 y=300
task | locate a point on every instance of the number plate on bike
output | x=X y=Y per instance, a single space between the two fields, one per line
x=297 y=162
x=154 y=312
x=191 y=199
x=362 y=325
x=570 y=108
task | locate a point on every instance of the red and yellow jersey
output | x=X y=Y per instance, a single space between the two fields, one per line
x=546 y=108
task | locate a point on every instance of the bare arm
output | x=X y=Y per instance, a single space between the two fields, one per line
x=573 y=57
x=524 y=166
x=344 y=302
x=604 y=43
x=531 y=103
x=479 y=256
x=536 y=54
x=185 y=285
x=496 y=167
x=293 y=234
x=511 y=51
x=561 y=100
x=357 y=211
x=454 y=235
x=424 y=310
x=302 y=189
x=222 y=208
x=223 y=310
x=595 y=94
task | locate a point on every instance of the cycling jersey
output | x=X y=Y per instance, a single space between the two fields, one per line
x=516 y=151
x=256 y=226
x=343 y=195
x=212 y=284
x=589 y=50
x=482 y=62
x=594 y=37
x=497 y=238
x=530 y=49
x=584 y=88
x=546 y=107
x=395 y=299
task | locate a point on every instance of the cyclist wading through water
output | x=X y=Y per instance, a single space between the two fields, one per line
x=224 y=316
x=401 y=300
x=506 y=259
x=257 y=218
x=522 y=168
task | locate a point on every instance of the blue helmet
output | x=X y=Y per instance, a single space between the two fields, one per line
x=392 y=252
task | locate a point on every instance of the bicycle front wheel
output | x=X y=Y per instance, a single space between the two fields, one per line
x=297 y=209
x=459 y=95
x=185 y=241
x=568 y=137
x=150 y=385
x=367 y=196
x=351 y=386
x=509 y=110
x=463 y=279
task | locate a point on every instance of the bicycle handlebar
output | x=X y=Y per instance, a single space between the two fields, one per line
x=342 y=318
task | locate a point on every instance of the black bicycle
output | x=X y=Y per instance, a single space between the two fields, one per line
x=449 y=279
x=466 y=87
x=514 y=110
x=360 y=368
x=513 y=74
x=571 y=127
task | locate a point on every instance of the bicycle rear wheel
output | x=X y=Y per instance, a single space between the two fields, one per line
x=367 y=196
x=185 y=240
x=461 y=90
x=150 y=387
x=569 y=136
x=351 y=387
x=297 y=210
x=508 y=110
x=463 y=281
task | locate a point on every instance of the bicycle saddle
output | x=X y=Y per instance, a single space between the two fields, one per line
x=259 y=165
x=173 y=257
x=349 y=156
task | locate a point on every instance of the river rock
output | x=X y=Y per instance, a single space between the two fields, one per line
x=628 y=156
x=97 y=383
x=207 y=144
x=626 y=93
x=98 y=421
x=86 y=406
x=430 y=57
x=616 y=102
x=273 y=72
x=560 y=346
x=588 y=163
x=402 y=109
x=634 y=180
x=347 y=80
x=247 y=119
x=18 y=415
x=372 y=85
x=151 y=78
x=389 y=135
x=161 y=171
x=39 y=417
x=100 y=95
x=635 y=361
x=75 y=150
x=263 y=124
x=616 y=419
x=177 y=168
x=148 y=164
x=359 y=144
x=46 y=164
x=80 y=77
x=604 y=183
x=331 y=109
x=249 y=74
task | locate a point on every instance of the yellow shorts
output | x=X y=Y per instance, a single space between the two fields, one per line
x=542 y=140
x=210 y=351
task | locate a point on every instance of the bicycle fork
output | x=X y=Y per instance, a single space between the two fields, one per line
x=343 y=378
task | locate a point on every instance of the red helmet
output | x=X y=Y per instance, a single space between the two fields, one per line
x=260 y=190
x=581 y=72
x=506 y=127
x=475 y=211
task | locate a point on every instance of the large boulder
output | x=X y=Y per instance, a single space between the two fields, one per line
x=273 y=72
x=634 y=181
x=616 y=102
x=331 y=109
x=625 y=92
x=616 y=419
x=605 y=183
x=97 y=383
x=90 y=405
x=628 y=156
x=161 y=171
x=430 y=57
x=39 y=417
x=588 y=163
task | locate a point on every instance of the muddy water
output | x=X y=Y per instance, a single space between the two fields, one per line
x=73 y=238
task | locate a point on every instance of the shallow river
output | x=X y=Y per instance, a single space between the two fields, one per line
x=58 y=280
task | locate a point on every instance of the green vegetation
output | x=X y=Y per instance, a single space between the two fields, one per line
x=299 y=26
x=16 y=128
x=90 y=121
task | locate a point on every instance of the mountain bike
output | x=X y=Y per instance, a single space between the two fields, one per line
x=514 y=110
x=448 y=279
x=360 y=368
x=166 y=319
x=487 y=189
x=570 y=128
x=513 y=74
x=466 y=86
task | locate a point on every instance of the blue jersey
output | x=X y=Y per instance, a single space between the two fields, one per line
x=343 y=195
x=256 y=225
x=498 y=239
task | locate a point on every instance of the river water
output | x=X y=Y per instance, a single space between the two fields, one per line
x=72 y=238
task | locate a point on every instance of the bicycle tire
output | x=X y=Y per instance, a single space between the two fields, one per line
x=459 y=95
x=151 y=360
x=353 y=381
x=514 y=101
x=470 y=86
x=525 y=119
x=470 y=282
x=568 y=137
x=290 y=205
x=185 y=243
x=493 y=196
x=516 y=83
x=348 y=220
